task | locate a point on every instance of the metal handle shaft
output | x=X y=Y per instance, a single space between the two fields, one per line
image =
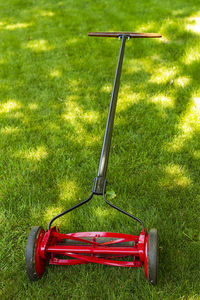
x=111 y=114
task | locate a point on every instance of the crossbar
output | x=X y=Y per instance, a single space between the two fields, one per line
x=129 y=34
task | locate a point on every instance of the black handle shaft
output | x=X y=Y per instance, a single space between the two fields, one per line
x=103 y=163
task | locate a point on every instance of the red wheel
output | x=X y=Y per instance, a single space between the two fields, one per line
x=151 y=256
x=35 y=265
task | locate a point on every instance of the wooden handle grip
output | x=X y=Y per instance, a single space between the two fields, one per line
x=130 y=34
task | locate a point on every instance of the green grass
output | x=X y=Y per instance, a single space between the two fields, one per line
x=55 y=87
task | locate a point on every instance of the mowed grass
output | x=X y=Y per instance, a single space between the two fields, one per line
x=55 y=88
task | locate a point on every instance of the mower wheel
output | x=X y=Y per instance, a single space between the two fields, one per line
x=152 y=269
x=35 y=265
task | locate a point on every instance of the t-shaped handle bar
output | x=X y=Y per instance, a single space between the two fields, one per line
x=128 y=34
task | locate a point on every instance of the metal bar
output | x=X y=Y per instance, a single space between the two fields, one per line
x=124 y=212
x=70 y=209
x=62 y=236
x=67 y=239
x=95 y=238
x=131 y=34
x=98 y=234
x=60 y=249
x=103 y=163
x=62 y=262
x=94 y=259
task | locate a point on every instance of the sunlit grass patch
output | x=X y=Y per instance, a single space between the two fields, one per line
x=17 y=26
x=33 y=154
x=163 y=74
x=146 y=26
x=46 y=13
x=196 y=154
x=76 y=116
x=91 y=117
x=127 y=98
x=7 y=26
x=188 y=125
x=39 y=45
x=191 y=120
x=55 y=73
x=194 y=25
x=2 y=60
x=165 y=40
x=2 y=23
x=68 y=189
x=73 y=115
x=175 y=176
x=9 y=130
x=191 y=55
x=163 y=100
x=67 y=197
x=9 y=106
x=105 y=212
x=107 y=88
x=52 y=212
x=73 y=112
x=182 y=81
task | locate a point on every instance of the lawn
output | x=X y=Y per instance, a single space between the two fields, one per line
x=55 y=88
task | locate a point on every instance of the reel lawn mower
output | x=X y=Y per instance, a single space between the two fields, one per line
x=105 y=248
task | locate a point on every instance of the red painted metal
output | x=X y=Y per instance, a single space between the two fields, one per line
x=50 y=247
x=59 y=249
x=39 y=261
x=141 y=244
x=109 y=262
x=47 y=239
x=98 y=234
x=68 y=262
x=61 y=236
x=146 y=257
